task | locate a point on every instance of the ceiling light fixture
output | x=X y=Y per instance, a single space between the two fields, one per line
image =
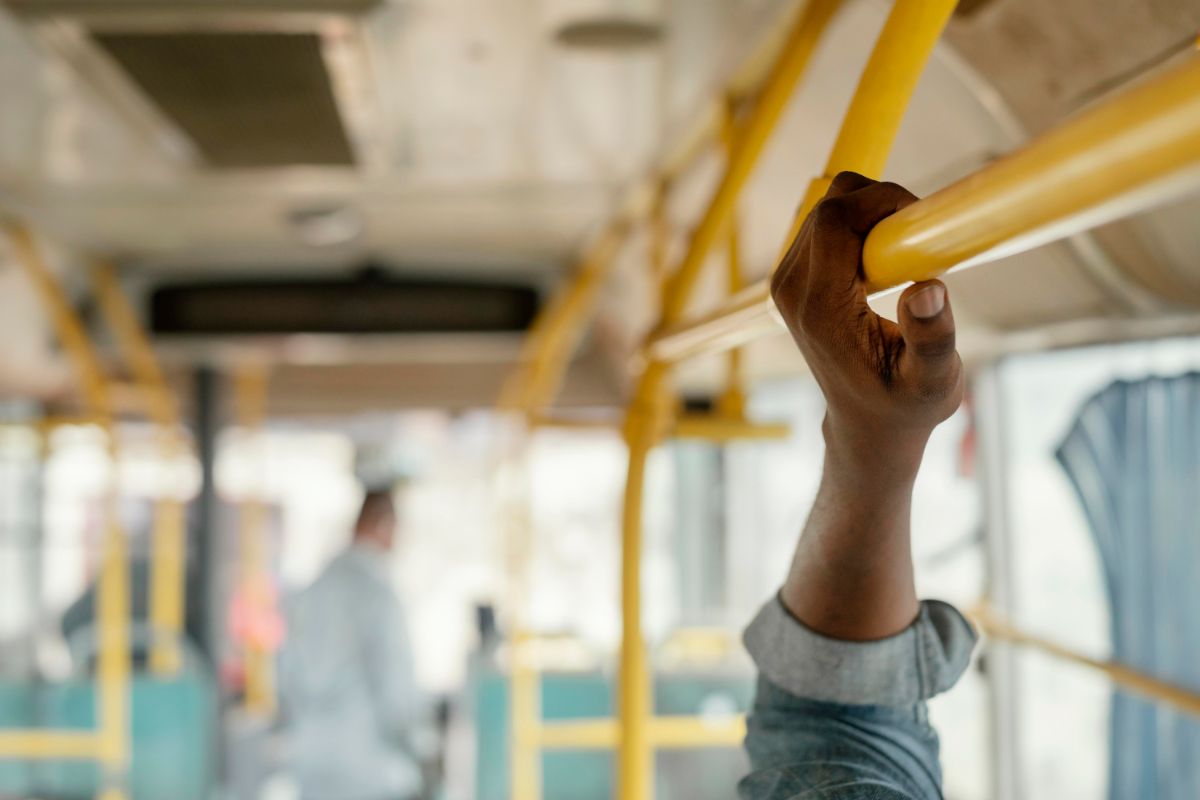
x=326 y=225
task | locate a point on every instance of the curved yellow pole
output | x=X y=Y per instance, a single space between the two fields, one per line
x=646 y=419
x=896 y=63
x=547 y=349
x=112 y=606
x=752 y=137
x=1107 y=162
x=869 y=128
x=1129 y=153
x=168 y=551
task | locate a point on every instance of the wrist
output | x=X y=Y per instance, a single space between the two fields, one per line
x=877 y=455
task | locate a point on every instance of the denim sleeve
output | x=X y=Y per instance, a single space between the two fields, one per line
x=847 y=720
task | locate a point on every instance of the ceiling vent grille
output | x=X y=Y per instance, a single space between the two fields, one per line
x=243 y=99
x=247 y=84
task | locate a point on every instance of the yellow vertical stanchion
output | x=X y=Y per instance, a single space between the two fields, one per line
x=881 y=98
x=526 y=715
x=113 y=667
x=112 y=607
x=752 y=137
x=524 y=695
x=168 y=550
x=645 y=421
x=895 y=65
x=258 y=660
x=649 y=412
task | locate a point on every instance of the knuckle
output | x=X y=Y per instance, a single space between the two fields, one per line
x=892 y=189
x=846 y=179
x=829 y=212
x=935 y=349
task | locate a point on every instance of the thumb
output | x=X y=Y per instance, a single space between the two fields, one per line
x=930 y=364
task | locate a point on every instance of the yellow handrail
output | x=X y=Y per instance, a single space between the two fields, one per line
x=168 y=551
x=752 y=137
x=1130 y=152
x=547 y=350
x=109 y=743
x=904 y=45
x=1165 y=692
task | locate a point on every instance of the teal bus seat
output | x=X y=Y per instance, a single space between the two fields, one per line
x=701 y=774
x=173 y=736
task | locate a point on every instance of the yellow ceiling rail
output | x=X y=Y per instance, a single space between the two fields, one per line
x=752 y=136
x=904 y=45
x=1124 y=155
x=109 y=743
x=559 y=327
x=1106 y=163
x=168 y=552
x=66 y=323
x=1165 y=692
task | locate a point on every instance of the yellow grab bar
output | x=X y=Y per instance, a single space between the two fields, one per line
x=1122 y=156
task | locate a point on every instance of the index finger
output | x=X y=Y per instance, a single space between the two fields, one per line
x=840 y=225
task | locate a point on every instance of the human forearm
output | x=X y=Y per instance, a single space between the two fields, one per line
x=887 y=385
x=852 y=575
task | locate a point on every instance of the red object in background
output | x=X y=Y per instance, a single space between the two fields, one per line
x=254 y=618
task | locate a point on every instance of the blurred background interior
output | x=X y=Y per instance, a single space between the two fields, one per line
x=261 y=255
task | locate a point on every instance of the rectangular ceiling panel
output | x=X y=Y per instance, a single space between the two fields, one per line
x=246 y=99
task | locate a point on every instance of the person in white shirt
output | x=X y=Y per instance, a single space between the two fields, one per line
x=349 y=699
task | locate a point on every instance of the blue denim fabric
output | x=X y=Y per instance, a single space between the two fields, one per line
x=847 y=720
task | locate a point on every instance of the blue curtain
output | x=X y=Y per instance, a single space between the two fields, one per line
x=1133 y=456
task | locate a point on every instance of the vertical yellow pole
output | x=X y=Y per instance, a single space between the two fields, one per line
x=258 y=661
x=645 y=422
x=753 y=135
x=524 y=698
x=112 y=607
x=168 y=551
x=648 y=414
x=168 y=584
x=526 y=715
x=881 y=98
x=113 y=667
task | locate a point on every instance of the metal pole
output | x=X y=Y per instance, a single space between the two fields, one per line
x=113 y=667
x=1001 y=668
x=167 y=574
x=1169 y=694
x=208 y=565
x=559 y=327
x=646 y=418
x=1125 y=155
x=752 y=137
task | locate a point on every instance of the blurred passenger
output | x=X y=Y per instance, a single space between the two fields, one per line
x=847 y=656
x=351 y=707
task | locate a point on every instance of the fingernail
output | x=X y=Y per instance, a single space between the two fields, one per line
x=927 y=302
